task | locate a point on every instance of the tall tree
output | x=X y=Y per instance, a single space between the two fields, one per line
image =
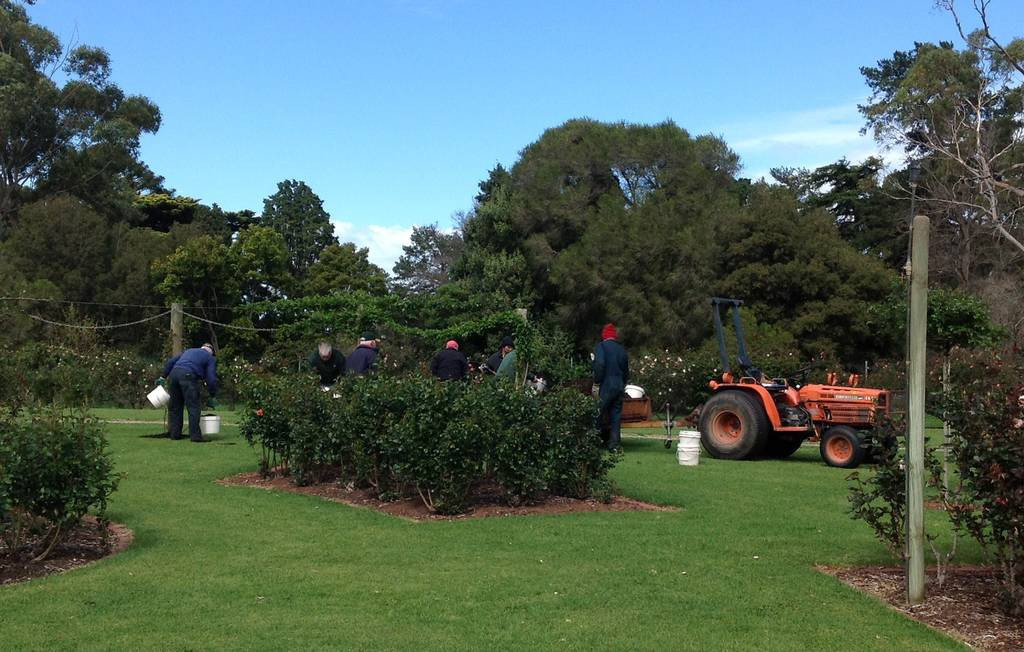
x=160 y=210
x=63 y=241
x=870 y=212
x=260 y=258
x=426 y=261
x=80 y=136
x=344 y=268
x=793 y=270
x=961 y=112
x=594 y=211
x=298 y=214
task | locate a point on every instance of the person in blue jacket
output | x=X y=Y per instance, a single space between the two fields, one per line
x=363 y=360
x=183 y=373
x=611 y=372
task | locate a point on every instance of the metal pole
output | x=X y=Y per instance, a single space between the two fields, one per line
x=915 y=410
x=177 y=329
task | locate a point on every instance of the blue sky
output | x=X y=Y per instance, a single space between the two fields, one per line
x=393 y=110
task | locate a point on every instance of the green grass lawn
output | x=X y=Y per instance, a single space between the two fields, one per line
x=153 y=415
x=218 y=567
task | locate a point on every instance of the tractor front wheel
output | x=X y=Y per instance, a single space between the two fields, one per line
x=733 y=426
x=843 y=447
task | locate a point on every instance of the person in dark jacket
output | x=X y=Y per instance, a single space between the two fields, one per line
x=450 y=364
x=183 y=373
x=329 y=362
x=363 y=359
x=611 y=372
x=508 y=369
x=493 y=362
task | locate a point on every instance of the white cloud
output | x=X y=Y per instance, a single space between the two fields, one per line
x=807 y=138
x=826 y=136
x=384 y=242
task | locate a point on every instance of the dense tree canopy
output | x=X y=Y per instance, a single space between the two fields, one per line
x=794 y=270
x=80 y=137
x=639 y=224
x=610 y=221
x=345 y=268
x=872 y=214
x=63 y=241
x=298 y=214
x=426 y=261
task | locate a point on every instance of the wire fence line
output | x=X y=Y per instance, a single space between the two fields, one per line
x=136 y=322
x=232 y=326
x=97 y=326
x=110 y=305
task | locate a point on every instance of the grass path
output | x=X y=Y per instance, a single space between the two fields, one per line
x=217 y=567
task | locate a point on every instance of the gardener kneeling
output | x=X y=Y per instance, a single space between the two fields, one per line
x=183 y=373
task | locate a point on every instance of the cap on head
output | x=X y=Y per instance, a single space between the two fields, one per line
x=452 y=344
x=208 y=347
x=367 y=336
x=609 y=332
x=507 y=341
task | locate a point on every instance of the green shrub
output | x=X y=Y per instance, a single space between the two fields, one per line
x=43 y=373
x=985 y=408
x=55 y=469
x=578 y=465
x=678 y=379
x=436 y=441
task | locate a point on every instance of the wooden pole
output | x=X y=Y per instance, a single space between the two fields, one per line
x=915 y=410
x=177 y=329
x=947 y=434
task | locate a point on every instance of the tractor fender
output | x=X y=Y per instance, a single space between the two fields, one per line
x=762 y=395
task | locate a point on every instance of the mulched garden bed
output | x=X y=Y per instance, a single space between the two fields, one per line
x=964 y=607
x=485 y=501
x=85 y=545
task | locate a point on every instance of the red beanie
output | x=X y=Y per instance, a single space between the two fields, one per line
x=609 y=332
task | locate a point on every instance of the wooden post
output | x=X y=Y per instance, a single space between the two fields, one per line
x=915 y=410
x=177 y=329
x=947 y=434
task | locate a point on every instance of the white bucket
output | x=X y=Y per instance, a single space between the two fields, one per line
x=688 y=451
x=209 y=424
x=158 y=397
x=635 y=391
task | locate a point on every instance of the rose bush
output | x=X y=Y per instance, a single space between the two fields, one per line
x=419 y=437
x=44 y=373
x=985 y=407
x=54 y=468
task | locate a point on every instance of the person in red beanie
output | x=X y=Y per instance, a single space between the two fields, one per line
x=611 y=372
x=450 y=364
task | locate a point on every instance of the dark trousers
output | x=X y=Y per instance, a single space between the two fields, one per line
x=184 y=390
x=611 y=420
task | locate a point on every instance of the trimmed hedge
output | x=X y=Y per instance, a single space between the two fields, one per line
x=437 y=441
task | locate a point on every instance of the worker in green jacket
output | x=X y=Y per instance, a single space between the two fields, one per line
x=507 y=368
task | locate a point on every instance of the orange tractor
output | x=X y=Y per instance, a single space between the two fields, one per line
x=751 y=415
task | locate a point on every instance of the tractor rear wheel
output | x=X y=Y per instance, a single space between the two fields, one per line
x=782 y=446
x=733 y=426
x=842 y=446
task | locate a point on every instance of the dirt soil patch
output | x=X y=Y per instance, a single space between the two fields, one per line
x=85 y=545
x=964 y=607
x=485 y=501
